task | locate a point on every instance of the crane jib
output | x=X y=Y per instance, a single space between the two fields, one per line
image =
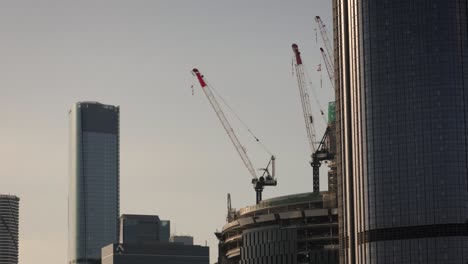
x=200 y=78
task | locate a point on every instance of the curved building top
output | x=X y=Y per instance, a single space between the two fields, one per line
x=282 y=201
x=284 y=206
x=8 y=196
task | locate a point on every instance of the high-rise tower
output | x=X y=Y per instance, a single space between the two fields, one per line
x=402 y=130
x=93 y=199
x=9 y=228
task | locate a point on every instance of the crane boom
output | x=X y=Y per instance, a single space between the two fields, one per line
x=328 y=54
x=305 y=101
x=266 y=179
x=330 y=69
x=324 y=34
x=227 y=126
x=309 y=120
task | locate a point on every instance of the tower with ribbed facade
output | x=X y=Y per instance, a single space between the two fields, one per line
x=9 y=229
x=402 y=130
x=93 y=197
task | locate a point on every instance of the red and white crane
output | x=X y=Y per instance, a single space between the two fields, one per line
x=266 y=179
x=305 y=100
x=320 y=151
x=308 y=118
x=327 y=54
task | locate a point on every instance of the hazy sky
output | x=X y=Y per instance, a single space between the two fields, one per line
x=176 y=160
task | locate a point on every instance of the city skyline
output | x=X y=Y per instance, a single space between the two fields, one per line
x=138 y=55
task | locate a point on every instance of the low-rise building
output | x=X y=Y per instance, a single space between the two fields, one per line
x=186 y=240
x=155 y=253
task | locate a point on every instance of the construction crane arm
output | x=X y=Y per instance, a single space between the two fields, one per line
x=324 y=34
x=227 y=126
x=329 y=66
x=305 y=101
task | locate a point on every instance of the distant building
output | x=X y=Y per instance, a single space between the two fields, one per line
x=164 y=230
x=186 y=240
x=9 y=228
x=93 y=196
x=293 y=229
x=156 y=253
x=139 y=229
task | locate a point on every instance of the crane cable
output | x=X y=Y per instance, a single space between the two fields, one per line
x=322 y=113
x=309 y=83
x=216 y=92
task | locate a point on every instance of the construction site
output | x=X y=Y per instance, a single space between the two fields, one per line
x=296 y=228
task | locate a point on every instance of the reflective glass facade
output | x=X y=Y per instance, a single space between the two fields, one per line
x=164 y=230
x=402 y=118
x=9 y=229
x=139 y=229
x=269 y=245
x=93 y=202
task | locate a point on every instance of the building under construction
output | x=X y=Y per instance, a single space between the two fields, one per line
x=298 y=228
x=293 y=229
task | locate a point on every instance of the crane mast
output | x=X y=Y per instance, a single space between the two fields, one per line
x=266 y=179
x=308 y=118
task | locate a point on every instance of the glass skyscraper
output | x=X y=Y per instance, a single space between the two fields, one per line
x=9 y=229
x=402 y=119
x=93 y=199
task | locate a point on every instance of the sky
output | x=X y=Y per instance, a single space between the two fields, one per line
x=176 y=160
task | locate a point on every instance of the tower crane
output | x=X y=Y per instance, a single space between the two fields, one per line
x=259 y=183
x=328 y=54
x=319 y=153
x=324 y=34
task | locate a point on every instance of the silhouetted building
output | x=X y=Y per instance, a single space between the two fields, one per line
x=165 y=230
x=293 y=229
x=186 y=240
x=9 y=229
x=402 y=126
x=93 y=197
x=156 y=253
x=138 y=229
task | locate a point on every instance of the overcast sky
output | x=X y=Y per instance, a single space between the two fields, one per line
x=176 y=160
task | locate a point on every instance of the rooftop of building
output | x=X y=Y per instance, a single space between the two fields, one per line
x=139 y=216
x=96 y=104
x=9 y=196
x=154 y=247
x=291 y=199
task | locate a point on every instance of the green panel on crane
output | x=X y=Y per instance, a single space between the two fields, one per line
x=331 y=112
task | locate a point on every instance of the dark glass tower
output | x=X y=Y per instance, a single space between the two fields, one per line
x=402 y=118
x=93 y=199
x=9 y=229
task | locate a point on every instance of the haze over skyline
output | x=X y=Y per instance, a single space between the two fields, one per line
x=176 y=160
